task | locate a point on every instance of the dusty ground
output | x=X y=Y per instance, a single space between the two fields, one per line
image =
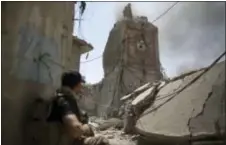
x=117 y=137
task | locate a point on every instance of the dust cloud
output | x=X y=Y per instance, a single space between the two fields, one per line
x=195 y=36
x=191 y=34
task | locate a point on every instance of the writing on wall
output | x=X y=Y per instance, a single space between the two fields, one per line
x=34 y=55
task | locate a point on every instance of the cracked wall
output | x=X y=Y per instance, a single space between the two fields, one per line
x=216 y=96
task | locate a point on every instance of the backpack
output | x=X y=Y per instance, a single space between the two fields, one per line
x=42 y=109
x=70 y=98
x=39 y=131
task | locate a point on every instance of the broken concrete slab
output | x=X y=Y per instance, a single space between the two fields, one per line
x=133 y=108
x=126 y=97
x=143 y=96
x=214 y=125
x=136 y=92
x=180 y=117
x=142 y=88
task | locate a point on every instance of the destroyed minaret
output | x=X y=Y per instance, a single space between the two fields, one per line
x=127 y=12
x=130 y=59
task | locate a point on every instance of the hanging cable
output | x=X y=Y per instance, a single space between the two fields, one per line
x=165 y=12
x=91 y=59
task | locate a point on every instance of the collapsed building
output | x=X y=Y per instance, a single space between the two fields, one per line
x=186 y=110
x=130 y=59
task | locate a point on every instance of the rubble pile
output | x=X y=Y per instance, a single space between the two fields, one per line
x=111 y=129
x=102 y=124
x=117 y=137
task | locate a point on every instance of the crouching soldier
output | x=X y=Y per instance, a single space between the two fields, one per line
x=66 y=111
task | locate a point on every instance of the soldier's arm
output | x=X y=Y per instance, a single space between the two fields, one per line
x=70 y=121
x=72 y=125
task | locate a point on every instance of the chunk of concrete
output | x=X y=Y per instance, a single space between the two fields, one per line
x=146 y=94
x=195 y=113
x=142 y=88
x=136 y=92
x=126 y=97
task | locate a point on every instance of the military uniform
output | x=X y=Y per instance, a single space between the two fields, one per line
x=65 y=103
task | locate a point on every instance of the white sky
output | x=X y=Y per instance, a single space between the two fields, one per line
x=191 y=35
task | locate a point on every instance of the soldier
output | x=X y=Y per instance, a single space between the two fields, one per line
x=66 y=111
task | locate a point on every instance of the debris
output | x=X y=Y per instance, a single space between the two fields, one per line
x=102 y=124
x=167 y=118
x=143 y=96
x=136 y=92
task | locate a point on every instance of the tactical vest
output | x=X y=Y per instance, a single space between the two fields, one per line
x=45 y=127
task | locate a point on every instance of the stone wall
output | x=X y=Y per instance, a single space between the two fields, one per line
x=32 y=34
x=75 y=59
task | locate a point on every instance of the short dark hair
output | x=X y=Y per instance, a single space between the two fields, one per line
x=71 y=79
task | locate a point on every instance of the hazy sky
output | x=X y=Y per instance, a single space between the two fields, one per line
x=191 y=35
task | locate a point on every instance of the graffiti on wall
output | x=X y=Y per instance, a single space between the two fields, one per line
x=33 y=54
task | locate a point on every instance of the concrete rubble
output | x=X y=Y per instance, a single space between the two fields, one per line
x=193 y=115
x=110 y=128
x=117 y=137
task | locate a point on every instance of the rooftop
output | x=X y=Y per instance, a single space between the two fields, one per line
x=82 y=44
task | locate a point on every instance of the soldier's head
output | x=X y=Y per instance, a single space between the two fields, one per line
x=73 y=80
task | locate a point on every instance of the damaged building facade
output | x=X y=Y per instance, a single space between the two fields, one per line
x=130 y=59
x=37 y=46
